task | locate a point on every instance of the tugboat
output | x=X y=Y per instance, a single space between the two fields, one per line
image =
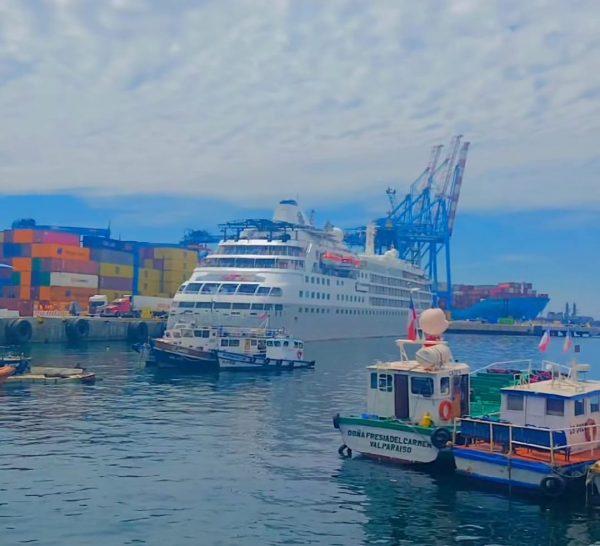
x=411 y=402
x=545 y=440
x=211 y=348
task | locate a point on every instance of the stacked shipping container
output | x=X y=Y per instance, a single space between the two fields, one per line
x=52 y=269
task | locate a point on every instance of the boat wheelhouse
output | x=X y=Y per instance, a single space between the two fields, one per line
x=411 y=404
x=545 y=438
x=300 y=278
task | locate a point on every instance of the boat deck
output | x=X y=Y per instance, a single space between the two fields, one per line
x=561 y=457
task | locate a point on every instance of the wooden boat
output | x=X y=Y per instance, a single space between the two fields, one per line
x=545 y=439
x=5 y=372
x=47 y=374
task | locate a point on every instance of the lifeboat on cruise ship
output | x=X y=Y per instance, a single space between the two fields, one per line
x=339 y=261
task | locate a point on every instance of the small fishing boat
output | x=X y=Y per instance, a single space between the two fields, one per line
x=545 y=438
x=51 y=375
x=208 y=348
x=411 y=402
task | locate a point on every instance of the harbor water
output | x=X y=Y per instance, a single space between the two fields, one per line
x=163 y=459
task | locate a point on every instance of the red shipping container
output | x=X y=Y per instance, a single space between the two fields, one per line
x=56 y=238
x=25 y=307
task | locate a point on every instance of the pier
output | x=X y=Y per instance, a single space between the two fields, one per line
x=521 y=329
x=19 y=331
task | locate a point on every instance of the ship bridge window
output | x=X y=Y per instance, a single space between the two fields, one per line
x=201 y=333
x=192 y=288
x=555 y=406
x=210 y=288
x=230 y=343
x=595 y=404
x=444 y=385
x=421 y=385
x=228 y=288
x=277 y=343
x=579 y=407
x=247 y=289
x=276 y=291
x=385 y=382
x=286 y=343
x=186 y=304
x=221 y=305
x=263 y=290
x=203 y=305
x=241 y=306
x=258 y=307
x=515 y=402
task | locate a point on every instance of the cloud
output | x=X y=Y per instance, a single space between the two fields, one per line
x=254 y=100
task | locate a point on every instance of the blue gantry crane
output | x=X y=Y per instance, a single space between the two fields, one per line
x=420 y=226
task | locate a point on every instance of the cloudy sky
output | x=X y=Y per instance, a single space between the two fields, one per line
x=161 y=115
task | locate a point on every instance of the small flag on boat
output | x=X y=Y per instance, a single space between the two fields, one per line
x=544 y=342
x=412 y=325
x=568 y=344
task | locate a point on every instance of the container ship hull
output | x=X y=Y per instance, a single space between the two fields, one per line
x=495 y=309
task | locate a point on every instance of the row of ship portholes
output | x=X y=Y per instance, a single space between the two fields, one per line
x=364 y=312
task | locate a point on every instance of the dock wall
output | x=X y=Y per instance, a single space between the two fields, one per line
x=59 y=329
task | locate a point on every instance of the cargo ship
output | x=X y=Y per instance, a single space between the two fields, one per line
x=290 y=274
x=492 y=303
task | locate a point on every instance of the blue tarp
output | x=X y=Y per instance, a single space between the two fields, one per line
x=500 y=432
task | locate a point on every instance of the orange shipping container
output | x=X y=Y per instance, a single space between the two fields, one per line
x=60 y=251
x=26 y=278
x=44 y=293
x=25 y=292
x=22 y=236
x=22 y=264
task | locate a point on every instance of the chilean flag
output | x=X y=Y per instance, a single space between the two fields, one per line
x=544 y=342
x=568 y=344
x=412 y=326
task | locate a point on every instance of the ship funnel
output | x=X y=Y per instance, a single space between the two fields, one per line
x=370 y=240
x=289 y=211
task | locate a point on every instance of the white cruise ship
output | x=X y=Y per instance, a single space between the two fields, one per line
x=288 y=274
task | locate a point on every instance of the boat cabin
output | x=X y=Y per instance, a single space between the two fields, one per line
x=562 y=403
x=429 y=388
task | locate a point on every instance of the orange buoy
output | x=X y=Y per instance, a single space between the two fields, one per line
x=445 y=410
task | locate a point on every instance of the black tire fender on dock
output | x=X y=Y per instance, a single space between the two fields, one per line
x=440 y=437
x=19 y=331
x=553 y=486
x=336 y=420
x=137 y=331
x=77 y=329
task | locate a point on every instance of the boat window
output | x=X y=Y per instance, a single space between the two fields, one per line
x=221 y=305
x=514 y=402
x=277 y=343
x=224 y=343
x=187 y=333
x=192 y=288
x=579 y=407
x=286 y=344
x=276 y=292
x=421 y=385
x=253 y=343
x=444 y=385
x=373 y=380
x=210 y=288
x=203 y=305
x=228 y=288
x=263 y=290
x=595 y=404
x=247 y=289
x=180 y=289
x=555 y=406
x=241 y=306
x=187 y=304
x=234 y=342
x=268 y=306
x=385 y=382
x=269 y=343
x=278 y=307
x=258 y=307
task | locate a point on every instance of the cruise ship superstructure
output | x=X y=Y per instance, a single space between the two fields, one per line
x=289 y=274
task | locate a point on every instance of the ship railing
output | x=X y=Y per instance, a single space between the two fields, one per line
x=524 y=371
x=494 y=436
